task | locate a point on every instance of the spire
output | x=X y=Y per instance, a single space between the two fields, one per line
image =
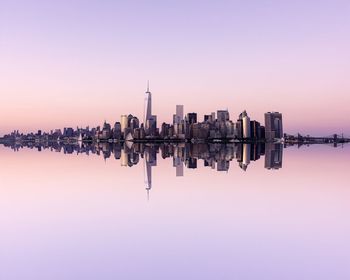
x=147 y=85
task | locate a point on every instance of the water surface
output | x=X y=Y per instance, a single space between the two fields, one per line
x=69 y=216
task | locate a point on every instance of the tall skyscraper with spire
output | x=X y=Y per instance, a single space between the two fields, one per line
x=148 y=106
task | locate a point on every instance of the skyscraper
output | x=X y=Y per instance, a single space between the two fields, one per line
x=245 y=124
x=223 y=115
x=273 y=126
x=123 y=122
x=148 y=106
x=179 y=113
x=192 y=118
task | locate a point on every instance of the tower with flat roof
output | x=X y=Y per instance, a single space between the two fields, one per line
x=273 y=126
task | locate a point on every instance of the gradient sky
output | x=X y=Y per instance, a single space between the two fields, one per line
x=68 y=63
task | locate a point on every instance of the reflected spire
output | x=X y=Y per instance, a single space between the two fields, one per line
x=147 y=175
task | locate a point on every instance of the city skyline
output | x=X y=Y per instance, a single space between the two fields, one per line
x=214 y=126
x=317 y=129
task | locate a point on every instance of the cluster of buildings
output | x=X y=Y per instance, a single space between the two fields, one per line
x=216 y=126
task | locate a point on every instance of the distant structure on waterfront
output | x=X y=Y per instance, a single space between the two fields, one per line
x=216 y=127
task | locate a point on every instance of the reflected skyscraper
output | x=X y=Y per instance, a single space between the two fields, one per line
x=178 y=164
x=245 y=156
x=123 y=158
x=150 y=159
x=147 y=175
x=273 y=155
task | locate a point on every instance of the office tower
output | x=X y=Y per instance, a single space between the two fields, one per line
x=148 y=106
x=130 y=117
x=192 y=118
x=245 y=124
x=230 y=129
x=222 y=129
x=262 y=131
x=223 y=115
x=152 y=125
x=137 y=133
x=255 y=131
x=180 y=111
x=117 y=130
x=178 y=120
x=273 y=156
x=106 y=131
x=175 y=120
x=179 y=116
x=273 y=126
x=134 y=123
x=123 y=122
x=238 y=131
x=164 y=131
x=68 y=132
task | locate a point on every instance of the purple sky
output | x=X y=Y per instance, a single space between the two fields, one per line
x=68 y=63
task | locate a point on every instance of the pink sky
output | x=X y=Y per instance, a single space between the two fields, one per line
x=69 y=63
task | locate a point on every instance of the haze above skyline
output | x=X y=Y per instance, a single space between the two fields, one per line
x=77 y=63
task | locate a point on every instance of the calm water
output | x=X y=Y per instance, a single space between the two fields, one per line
x=69 y=216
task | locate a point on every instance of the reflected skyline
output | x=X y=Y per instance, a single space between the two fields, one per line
x=219 y=157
